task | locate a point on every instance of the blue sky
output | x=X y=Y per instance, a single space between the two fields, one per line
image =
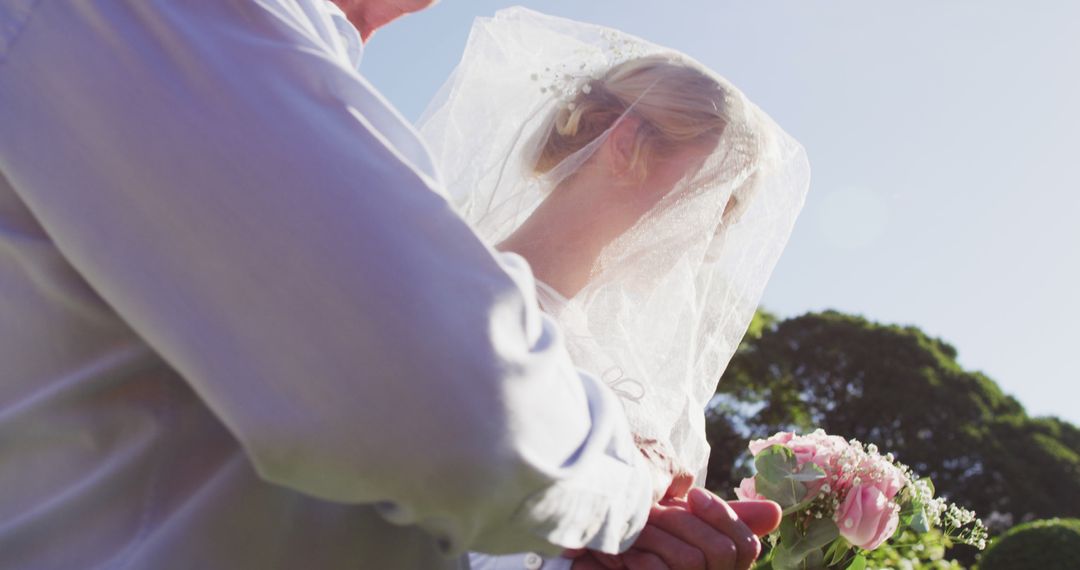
x=944 y=136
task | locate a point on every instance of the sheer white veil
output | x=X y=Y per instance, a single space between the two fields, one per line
x=668 y=302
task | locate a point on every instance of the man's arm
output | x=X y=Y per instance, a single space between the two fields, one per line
x=215 y=170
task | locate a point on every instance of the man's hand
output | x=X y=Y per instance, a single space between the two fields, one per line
x=705 y=533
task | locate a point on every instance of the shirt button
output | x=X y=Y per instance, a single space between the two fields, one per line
x=533 y=561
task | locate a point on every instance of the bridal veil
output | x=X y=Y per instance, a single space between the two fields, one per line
x=668 y=302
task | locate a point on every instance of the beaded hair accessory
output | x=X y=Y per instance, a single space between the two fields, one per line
x=566 y=81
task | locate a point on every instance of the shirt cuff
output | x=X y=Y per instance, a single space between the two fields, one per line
x=603 y=501
x=520 y=561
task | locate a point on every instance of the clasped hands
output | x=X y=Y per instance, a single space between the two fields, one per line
x=691 y=529
x=703 y=532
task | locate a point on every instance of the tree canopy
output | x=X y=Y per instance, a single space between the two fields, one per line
x=903 y=390
x=1047 y=545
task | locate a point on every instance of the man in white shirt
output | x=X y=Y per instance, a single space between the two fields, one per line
x=241 y=328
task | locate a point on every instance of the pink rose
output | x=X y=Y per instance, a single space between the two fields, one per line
x=747 y=490
x=780 y=438
x=804 y=450
x=867 y=517
x=830 y=448
x=891 y=483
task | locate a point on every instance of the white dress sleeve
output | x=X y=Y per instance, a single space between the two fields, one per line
x=224 y=178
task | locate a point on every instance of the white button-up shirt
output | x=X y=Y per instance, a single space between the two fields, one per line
x=241 y=328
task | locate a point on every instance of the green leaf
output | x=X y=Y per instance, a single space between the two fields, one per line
x=919 y=522
x=808 y=472
x=785 y=560
x=797 y=547
x=859 y=563
x=819 y=533
x=798 y=506
x=837 y=551
x=788 y=533
x=814 y=560
x=776 y=466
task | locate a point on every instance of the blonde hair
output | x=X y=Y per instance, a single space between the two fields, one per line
x=676 y=103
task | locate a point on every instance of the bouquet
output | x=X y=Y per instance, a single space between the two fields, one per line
x=842 y=498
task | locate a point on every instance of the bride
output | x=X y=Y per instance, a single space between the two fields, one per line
x=649 y=196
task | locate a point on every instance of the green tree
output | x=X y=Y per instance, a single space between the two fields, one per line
x=1046 y=544
x=903 y=390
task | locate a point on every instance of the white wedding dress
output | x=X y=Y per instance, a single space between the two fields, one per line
x=669 y=301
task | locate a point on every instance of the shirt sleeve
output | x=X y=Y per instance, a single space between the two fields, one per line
x=224 y=178
x=519 y=561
